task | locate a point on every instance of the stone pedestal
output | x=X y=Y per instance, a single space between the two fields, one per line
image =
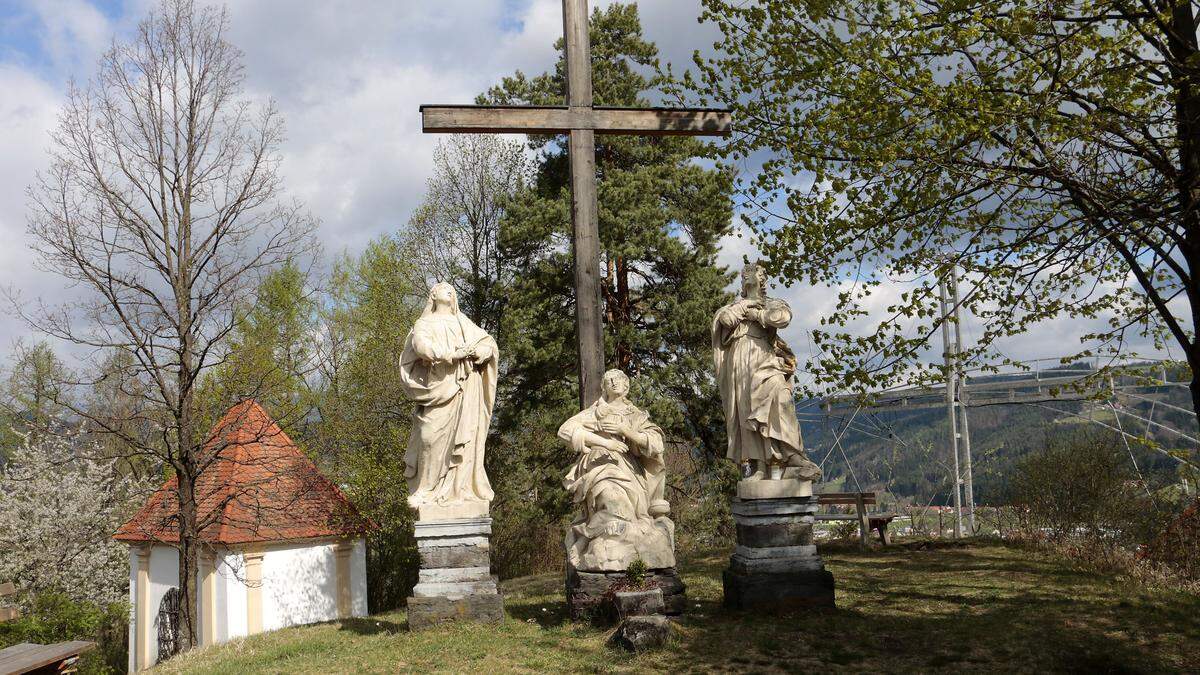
x=586 y=591
x=455 y=579
x=775 y=566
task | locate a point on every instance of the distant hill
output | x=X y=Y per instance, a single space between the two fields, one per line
x=907 y=452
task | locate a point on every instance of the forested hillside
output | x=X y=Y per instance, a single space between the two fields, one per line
x=907 y=452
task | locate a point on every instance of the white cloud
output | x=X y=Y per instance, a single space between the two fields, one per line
x=28 y=110
x=348 y=77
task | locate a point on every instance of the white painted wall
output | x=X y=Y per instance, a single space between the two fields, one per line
x=132 y=608
x=231 y=598
x=299 y=585
x=164 y=575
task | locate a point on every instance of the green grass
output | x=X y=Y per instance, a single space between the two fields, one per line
x=983 y=607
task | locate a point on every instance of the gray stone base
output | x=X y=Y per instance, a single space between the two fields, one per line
x=429 y=612
x=778 y=592
x=775 y=566
x=455 y=582
x=586 y=591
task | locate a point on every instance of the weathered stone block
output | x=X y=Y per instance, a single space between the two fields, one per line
x=436 y=557
x=775 y=565
x=639 y=633
x=800 y=506
x=778 y=592
x=450 y=575
x=638 y=603
x=428 y=612
x=456 y=589
x=586 y=592
x=774 y=489
x=787 y=533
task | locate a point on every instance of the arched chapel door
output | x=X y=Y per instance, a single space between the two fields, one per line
x=168 y=625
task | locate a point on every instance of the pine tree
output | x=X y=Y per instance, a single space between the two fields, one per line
x=662 y=216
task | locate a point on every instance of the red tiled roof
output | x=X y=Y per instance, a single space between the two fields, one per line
x=256 y=486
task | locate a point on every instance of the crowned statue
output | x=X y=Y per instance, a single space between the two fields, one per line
x=448 y=369
x=617 y=481
x=755 y=370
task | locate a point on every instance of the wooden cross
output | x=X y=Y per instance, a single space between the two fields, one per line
x=581 y=120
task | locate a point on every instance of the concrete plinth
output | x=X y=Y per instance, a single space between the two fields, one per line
x=586 y=591
x=455 y=582
x=775 y=566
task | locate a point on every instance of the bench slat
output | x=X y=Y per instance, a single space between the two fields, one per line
x=26 y=656
x=7 y=588
x=845 y=498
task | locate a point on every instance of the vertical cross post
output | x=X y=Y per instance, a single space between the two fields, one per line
x=584 y=213
x=580 y=120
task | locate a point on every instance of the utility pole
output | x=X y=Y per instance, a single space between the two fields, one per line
x=951 y=385
x=961 y=390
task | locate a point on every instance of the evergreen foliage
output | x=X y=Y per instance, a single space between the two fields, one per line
x=662 y=214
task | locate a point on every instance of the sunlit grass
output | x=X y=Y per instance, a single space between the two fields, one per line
x=983 y=607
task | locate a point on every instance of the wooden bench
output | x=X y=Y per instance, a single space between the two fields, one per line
x=7 y=589
x=57 y=658
x=866 y=521
x=28 y=657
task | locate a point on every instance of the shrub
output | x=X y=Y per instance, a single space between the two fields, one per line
x=1081 y=485
x=54 y=617
x=1081 y=497
x=1178 y=547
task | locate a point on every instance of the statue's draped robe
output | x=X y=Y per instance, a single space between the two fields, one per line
x=616 y=492
x=444 y=459
x=754 y=374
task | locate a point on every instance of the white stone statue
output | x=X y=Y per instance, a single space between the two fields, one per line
x=448 y=369
x=617 y=480
x=755 y=370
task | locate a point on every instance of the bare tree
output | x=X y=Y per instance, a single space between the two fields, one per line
x=161 y=208
x=454 y=234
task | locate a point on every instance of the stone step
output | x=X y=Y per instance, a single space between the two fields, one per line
x=458 y=589
x=776 y=551
x=775 y=565
x=446 y=575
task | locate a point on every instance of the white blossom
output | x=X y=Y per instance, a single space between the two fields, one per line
x=58 y=511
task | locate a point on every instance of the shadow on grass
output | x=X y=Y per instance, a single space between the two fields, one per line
x=373 y=626
x=547 y=613
x=980 y=608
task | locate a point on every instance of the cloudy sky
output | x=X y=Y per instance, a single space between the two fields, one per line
x=348 y=77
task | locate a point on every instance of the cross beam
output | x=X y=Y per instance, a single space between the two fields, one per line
x=478 y=119
x=581 y=121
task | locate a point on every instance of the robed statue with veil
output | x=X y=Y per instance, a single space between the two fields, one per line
x=448 y=369
x=755 y=370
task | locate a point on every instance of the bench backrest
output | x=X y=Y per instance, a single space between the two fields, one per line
x=8 y=613
x=846 y=497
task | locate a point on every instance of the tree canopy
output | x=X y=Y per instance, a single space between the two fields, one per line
x=1050 y=151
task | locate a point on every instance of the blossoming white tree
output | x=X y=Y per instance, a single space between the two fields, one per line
x=58 y=510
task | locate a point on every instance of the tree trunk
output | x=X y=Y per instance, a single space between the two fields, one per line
x=188 y=560
x=623 y=312
x=1183 y=45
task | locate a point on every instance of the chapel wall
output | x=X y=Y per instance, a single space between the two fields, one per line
x=299 y=585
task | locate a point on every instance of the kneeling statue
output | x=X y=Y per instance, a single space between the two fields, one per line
x=618 y=480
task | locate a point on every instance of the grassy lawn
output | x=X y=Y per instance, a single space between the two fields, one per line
x=983 y=607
